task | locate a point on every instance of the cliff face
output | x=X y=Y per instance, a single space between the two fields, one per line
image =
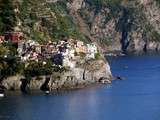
x=122 y=24
x=92 y=72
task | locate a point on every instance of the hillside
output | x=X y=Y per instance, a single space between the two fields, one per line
x=113 y=24
x=38 y=19
x=122 y=24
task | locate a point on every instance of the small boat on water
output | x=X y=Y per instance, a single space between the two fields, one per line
x=2 y=91
x=1 y=94
x=47 y=92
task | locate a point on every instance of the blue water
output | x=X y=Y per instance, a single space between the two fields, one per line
x=137 y=98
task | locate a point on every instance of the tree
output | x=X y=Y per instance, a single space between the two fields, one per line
x=9 y=63
x=7 y=16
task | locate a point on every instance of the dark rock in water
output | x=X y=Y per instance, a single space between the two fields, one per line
x=45 y=85
x=120 y=78
x=24 y=85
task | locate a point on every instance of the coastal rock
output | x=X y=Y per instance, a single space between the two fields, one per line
x=12 y=83
x=36 y=84
x=153 y=45
x=82 y=76
x=78 y=77
x=137 y=43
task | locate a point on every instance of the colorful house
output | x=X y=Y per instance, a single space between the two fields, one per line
x=81 y=48
x=15 y=37
x=92 y=50
x=2 y=38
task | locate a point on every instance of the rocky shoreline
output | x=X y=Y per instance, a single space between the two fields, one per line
x=95 y=72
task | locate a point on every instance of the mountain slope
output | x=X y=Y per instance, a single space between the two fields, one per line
x=42 y=21
x=115 y=25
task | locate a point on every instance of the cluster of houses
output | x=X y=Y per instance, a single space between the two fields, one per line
x=64 y=52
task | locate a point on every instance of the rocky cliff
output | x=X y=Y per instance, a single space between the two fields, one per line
x=86 y=73
x=121 y=24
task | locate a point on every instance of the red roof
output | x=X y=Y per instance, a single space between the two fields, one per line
x=13 y=36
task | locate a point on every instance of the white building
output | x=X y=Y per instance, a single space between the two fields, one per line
x=91 y=51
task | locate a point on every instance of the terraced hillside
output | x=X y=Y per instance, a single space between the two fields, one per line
x=127 y=25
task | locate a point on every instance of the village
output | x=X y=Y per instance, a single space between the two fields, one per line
x=64 y=52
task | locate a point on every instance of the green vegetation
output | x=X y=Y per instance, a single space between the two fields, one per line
x=9 y=63
x=40 y=68
x=155 y=36
x=158 y=1
x=44 y=21
x=127 y=14
x=114 y=6
x=41 y=21
x=7 y=16
x=64 y=25
x=97 y=55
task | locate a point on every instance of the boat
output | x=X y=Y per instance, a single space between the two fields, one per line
x=1 y=94
x=47 y=92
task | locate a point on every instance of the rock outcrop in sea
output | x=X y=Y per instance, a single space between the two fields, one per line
x=87 y=73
